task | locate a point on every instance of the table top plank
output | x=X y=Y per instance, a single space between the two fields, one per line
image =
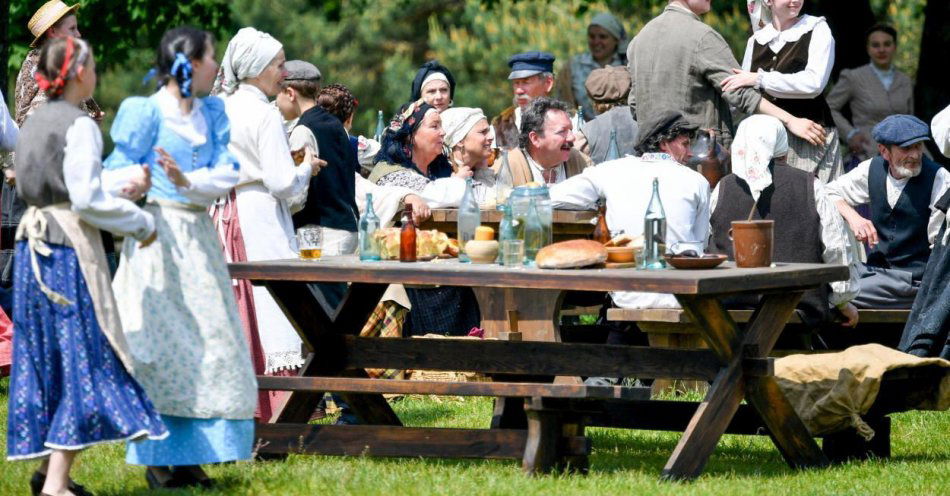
x=722 y=280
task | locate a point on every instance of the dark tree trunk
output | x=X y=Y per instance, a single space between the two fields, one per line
x=930 y=95
x=848 y=22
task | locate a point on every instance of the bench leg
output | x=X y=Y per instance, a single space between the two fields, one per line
x=540 y=453
x=849 y=445
x=573 y=426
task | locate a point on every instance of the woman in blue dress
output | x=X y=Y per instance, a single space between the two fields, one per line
x=176 y=302
x=71 y=386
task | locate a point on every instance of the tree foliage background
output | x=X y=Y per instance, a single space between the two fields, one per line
x=374 y=47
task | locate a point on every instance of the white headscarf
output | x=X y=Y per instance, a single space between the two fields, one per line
x=458 y=122
x=247 y=55
x=760 y=14
x=758 y=140
x=433 y=76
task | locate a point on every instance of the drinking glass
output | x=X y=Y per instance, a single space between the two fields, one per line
x=310 y=242
x=512 y=252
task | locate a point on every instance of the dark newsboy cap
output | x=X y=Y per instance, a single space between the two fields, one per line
x=660 y=122
x=299 y=70
x=901 y=130
x=528 y=64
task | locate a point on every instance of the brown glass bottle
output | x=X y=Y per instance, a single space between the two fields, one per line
x=601 y=233
x=407 y=237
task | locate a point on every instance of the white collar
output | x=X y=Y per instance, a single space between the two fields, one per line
x=657 y=157
x=191 y=127
x=889 y=72
x=536 y=165
x=769 y=33
x=254 y=91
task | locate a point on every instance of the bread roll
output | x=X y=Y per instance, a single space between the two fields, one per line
x=572 y=254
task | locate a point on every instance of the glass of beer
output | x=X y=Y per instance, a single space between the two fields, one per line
x=310 y=242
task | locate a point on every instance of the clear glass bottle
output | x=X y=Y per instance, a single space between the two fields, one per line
x=407 y=237
x=613 y=151
x=504 y=181
x=506 y=229
x=533 y=233
x=469 y=218
x=378 y=135
x=369 y=224
x=654 y=231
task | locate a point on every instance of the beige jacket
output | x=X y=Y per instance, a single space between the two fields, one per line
x=870 y=103
x=521 y=171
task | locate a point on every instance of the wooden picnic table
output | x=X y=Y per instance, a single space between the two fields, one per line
x=567 y=224
x=736 y=362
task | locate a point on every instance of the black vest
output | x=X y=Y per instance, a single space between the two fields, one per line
x=901 y=231
x=790 y=202
x=792 y=58
x=331 y=199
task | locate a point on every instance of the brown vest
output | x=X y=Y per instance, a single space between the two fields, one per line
x=792 y=58
x=521 y=170
x=790 y=202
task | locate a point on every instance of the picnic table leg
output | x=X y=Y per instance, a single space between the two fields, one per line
x=322 y=329
x=730 y=386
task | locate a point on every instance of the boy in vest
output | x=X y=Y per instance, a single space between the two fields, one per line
x=902 y=186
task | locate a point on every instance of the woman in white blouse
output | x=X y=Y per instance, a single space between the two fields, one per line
x=790 y=61
x=253 y=69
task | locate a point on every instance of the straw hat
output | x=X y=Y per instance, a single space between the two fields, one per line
x=44 y=18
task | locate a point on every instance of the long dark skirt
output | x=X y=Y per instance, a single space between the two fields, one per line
x=447 y=310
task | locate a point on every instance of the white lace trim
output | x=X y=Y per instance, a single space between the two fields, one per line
x=284 y=360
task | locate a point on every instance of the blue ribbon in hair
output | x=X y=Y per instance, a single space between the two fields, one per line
x=181 y=69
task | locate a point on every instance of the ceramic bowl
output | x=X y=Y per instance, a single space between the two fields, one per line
x=482 y=252
x=621 y=254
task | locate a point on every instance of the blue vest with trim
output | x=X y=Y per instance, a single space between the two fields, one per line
x=901 y=230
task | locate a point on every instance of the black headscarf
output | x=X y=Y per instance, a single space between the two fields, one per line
x=426 y=69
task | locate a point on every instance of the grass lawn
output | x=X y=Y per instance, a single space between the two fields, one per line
x=623 y=461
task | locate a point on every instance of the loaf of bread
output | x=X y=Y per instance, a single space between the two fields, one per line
x=572 y=254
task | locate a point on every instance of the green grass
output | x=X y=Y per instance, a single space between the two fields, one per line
x=623 y=461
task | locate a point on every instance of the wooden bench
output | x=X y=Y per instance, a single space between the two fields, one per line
x=672 y=328
x=554 y=438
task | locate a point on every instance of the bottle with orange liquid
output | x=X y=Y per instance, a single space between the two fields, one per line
x=407 y=237
x=601 y=233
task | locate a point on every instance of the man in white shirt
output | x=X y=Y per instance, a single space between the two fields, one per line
x=546 y=152
x=901 y=186
x=627 y=186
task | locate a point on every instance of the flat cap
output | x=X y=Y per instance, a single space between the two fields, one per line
x=661 y=122
x=609 y=84
x=528 y=64
x=900 y=130
x=299 y=70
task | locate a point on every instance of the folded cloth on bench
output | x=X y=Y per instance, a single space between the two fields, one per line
x=831 y=391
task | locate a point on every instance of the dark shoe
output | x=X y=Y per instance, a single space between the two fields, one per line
x=185 y=475
x=38 y=479
x=347 y=417
x=154 y=483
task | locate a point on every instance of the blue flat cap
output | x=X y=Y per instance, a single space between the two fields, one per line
x=528 y=64
x=901 y=130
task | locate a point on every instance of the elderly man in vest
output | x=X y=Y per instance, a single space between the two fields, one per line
x=902 y=187
x=546 y=152
x=532 y=76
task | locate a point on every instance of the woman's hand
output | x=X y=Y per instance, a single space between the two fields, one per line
x=174 y=173
x=9 y=176
x=807 y=130
x=420 y=209
x=463 y=172
x=138 y=187
x=739 y=79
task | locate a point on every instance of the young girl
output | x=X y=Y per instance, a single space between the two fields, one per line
x=790 y=61
x=70 y=385
x=176 y=301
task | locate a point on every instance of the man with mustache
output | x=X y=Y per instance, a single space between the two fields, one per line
x=532 y=76
x=902 y=186
x=546 y=153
